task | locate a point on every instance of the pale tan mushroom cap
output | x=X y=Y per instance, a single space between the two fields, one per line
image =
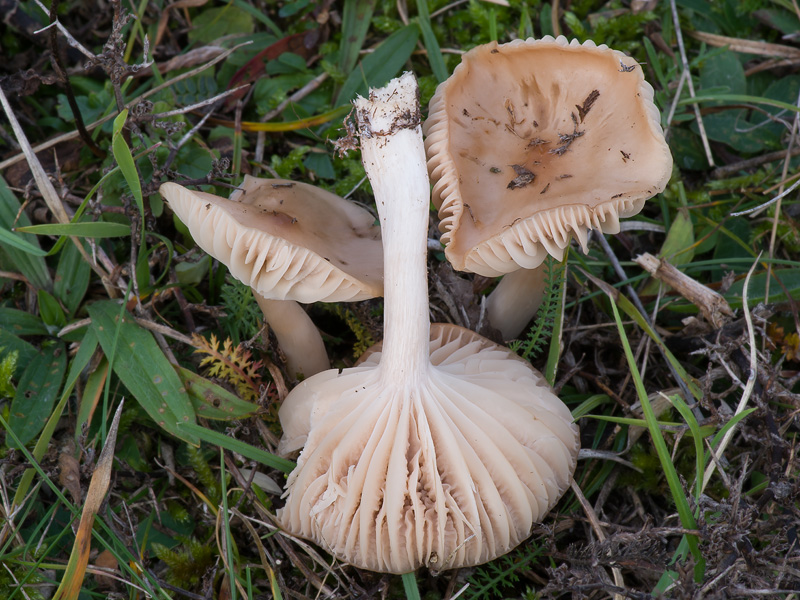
x=534 y=141
x=449 y=473
x=286 y=240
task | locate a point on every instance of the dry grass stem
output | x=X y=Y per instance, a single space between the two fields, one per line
x=690 y=84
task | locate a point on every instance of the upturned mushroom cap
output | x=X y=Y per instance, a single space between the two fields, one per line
x=286 y=240
x=452 y=473
x=534 y=141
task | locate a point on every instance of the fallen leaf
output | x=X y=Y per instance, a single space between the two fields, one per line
x=69 y=474
x=106 y=560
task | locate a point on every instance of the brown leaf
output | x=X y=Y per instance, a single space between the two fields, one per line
x=69 y=474
x=106 y=560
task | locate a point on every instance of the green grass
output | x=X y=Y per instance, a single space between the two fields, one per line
x=101 y=290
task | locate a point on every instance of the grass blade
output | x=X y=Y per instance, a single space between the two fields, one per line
x=223 y=515
x=124 y=158
x=22 y=250
x=429 y=39
x=554 y=352
x=37 y=391
x=223 y=441
x=620 y=301
x=78 y=364
x=142 y=367
x=673 y=481
x=410 y=587
x=380 y=66
x=213 y=401
x=72 y=581
x=356 y=17
x=91 y=229
x=688 y=416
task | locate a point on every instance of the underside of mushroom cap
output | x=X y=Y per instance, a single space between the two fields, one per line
x=286 y=240
x=451 y=473
x=535 y=141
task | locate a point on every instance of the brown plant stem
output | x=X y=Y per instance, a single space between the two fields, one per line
x=62 y=75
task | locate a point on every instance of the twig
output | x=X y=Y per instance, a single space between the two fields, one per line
x=726 y=170
x=295 y=97
x=57 y=24
x=601 y=535
x=675 y=99
x=173 y=152
x=590 y=454
x=164 y=330
x=444 y=9
x=751 y=378
x=16 y=276
x=776 y=217
x=43 y=182
x=61 y=72
x=768 y=202
x=197 y=105
x=690 y=84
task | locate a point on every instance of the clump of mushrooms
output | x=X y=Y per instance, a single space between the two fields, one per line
x=290 y=242
x=531 y=143
x=442 y=449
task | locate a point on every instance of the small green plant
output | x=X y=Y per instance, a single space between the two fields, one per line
x=232 y=363
x=496 y=579
x=205 y=475
x=188 y=563
x=542 y=329
x=10 y=578
x=8 y=364
x=244 y=319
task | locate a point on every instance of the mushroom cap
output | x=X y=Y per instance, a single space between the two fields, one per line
x=287 y=240
x=534 y=141
x=446 y=472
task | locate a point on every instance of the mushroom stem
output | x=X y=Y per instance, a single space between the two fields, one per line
x=297 y=336
x=394 y=158
x=515 y=300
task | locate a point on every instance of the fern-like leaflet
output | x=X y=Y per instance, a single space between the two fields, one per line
x=232 y=363
x=542 y=329
x=495 y=579
x=244 y=319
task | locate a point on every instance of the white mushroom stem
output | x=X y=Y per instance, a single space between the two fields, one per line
x=515 y=300
x=298 y=337
x=394 y=158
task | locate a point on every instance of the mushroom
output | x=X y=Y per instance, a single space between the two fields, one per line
x=533 y=142
x=442 y=449
x=290 y=242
